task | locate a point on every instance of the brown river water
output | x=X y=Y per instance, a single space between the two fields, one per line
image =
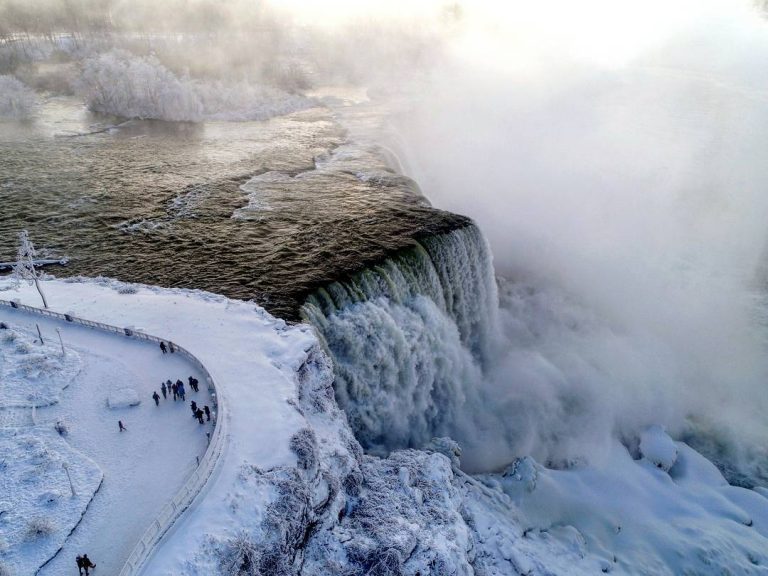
x=266 y=210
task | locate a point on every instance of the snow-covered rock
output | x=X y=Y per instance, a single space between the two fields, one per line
x=123 y=398
x=658 y=448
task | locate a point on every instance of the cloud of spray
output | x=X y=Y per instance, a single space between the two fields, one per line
x=614 y=155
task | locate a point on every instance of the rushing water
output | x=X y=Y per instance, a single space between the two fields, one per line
x=265 y=210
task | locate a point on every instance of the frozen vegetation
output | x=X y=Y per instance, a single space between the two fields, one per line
x=37 y=508
x=17 y=101
x=31 y=373
x=295 y=494
x=122 y=84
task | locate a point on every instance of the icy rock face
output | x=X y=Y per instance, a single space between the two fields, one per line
x=658 y=448
x=338 y=511
x=401 y=517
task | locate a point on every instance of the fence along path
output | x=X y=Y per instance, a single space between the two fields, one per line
x=186 y=495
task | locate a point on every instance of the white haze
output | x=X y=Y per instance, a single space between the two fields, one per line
x=614 y=155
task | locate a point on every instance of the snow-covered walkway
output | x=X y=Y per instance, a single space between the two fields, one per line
x=251 y=356
x=143 y=467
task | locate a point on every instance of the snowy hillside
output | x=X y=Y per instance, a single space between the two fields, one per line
x=294 y=493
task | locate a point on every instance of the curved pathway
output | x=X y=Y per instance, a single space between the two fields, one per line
x=151 y=468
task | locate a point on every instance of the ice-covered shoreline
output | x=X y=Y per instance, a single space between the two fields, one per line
x=296 y=495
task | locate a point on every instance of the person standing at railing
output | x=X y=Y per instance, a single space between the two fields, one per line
x=163 y=348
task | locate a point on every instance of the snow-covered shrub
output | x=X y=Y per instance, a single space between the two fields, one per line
x=17 y=101
x=239 y=556
x=122 y=84
x=304 y=445
x=39 y=527
x=50 y=497
x=127 y=289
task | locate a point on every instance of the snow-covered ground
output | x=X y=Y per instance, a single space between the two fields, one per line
x=142 y=468
x=294 y=494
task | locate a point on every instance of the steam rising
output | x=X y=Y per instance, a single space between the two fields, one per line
x=624 y=196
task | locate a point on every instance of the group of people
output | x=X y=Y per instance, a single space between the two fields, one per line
x=176 y=389
x=170 y=348
x=83 y=562
x=178 y=392
x=198 y=413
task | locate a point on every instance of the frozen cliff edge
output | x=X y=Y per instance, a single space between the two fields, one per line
x=295 y=494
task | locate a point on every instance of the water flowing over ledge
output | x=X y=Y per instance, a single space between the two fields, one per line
x=410 y=338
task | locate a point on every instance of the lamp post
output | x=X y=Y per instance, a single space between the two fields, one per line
x=63 y=352
x=71 y=486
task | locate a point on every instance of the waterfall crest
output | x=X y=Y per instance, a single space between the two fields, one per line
x=410 y=338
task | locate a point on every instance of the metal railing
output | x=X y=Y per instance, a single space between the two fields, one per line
x=193 y=486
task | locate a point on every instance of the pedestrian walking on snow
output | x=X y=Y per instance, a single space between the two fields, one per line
x=164 y=390
x=193 y=384
x=207 y=413
x=175 y=390
x=156 y=398
x=79 y=561
x=87 y=564
x=121 y=427
x=163 y=348
x=180 y=390
x=193 y=405
x=199 y=415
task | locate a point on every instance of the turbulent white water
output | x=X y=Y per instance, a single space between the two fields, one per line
x=410 y=339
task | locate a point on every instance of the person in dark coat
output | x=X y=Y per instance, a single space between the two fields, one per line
x=156 y=398
x=87 y=564
x=171 y=347
x=163 y=348
x=79 y=561
x=207 y=413
x=121 y=427
x=193 y=405
x=164 y=390
x=199 y=415
x=175 y=391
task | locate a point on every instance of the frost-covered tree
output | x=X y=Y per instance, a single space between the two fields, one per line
x=24 y=269
x=17 y=101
